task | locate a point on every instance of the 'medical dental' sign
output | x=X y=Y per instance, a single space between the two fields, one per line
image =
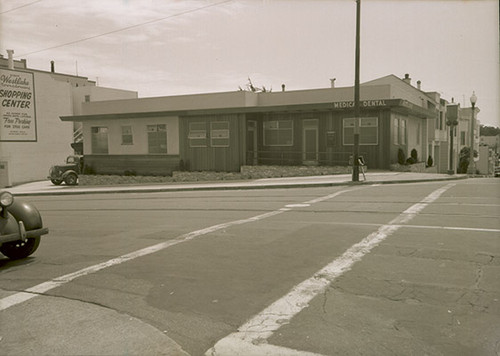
x=17 y=106
x=363 y=103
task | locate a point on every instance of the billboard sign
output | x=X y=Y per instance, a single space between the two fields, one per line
x=17 y=105
x=452 y=114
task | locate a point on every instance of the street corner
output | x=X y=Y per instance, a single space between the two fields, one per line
x=60 y=326
x=35 y=187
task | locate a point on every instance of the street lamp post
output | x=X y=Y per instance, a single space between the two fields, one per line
x=472 y=169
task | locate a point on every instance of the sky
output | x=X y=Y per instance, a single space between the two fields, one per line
x=174 y=47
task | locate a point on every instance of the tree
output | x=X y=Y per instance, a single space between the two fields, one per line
x=250 y=87
x=488 y=130
x=464 y=158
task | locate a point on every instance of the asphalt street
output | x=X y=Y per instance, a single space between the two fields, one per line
x=328 y=268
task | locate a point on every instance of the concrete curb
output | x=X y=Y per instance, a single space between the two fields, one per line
x=212 y=186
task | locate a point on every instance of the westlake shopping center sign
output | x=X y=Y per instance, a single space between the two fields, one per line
x=17 y=105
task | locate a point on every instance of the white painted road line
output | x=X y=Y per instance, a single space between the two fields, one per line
x=432 y=227
x=41 y=288
x=251 y=337
x=44 y=287
x=297 y=205
x=455 y=228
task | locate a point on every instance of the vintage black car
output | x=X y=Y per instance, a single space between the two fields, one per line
x=67 y=173
x=20 y=227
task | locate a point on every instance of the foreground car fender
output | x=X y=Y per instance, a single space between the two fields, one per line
x=27 y=213
x=20 y=229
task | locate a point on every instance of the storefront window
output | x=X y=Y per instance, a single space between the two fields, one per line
x=368 y=131
x=157 y=138
x=349 y=125
x=418 y=134
x=278 y=133
x=395 y=132
x=402 y=135
x=99 y=139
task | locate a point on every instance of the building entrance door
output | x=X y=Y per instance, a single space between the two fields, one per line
x=252 y=146
x=310 y=142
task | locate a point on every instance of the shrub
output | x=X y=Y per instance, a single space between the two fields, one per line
x=411 y=160
x=430 y=161
x=463 y=163
x=183 y=165
x=130 y=173
x=401 y=157
x=414 y=155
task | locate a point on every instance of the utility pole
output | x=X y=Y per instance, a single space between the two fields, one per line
x=355 y=154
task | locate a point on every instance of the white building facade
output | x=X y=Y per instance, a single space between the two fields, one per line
x=32 y=137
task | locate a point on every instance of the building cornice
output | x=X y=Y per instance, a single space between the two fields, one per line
x=400 y=105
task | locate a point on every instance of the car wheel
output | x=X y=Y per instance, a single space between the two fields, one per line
x=71 y=179
x=18 y=249
x=56 y=181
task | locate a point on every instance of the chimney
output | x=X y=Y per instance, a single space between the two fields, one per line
x=10 y=62
x=419 y=83
x=52 y=67
x=282 y=87
x=407 y=79
x=332 y=82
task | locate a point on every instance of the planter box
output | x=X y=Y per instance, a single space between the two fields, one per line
x=419 y=167
x=247 y=172
x=255 y=172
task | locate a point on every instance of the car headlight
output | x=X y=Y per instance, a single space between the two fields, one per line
x=6 y=199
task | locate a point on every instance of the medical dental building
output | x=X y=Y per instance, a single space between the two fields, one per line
x=225 y=131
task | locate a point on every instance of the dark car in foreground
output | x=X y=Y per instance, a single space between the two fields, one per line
x=20 y=227
x=68 y=172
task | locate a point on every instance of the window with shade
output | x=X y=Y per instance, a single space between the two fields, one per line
x=197 y=135
x=368 y=131
x=278 y=133
x=127 y=138
x=219 y=134
x=99 y=141
x=157 y=138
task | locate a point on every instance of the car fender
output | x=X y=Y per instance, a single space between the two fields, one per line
x=68 y=172
x=27 y=213
x=8 y=225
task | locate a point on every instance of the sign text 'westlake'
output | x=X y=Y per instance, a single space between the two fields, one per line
x=13 y=80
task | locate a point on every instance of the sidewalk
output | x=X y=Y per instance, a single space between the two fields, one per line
x=47 y=188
